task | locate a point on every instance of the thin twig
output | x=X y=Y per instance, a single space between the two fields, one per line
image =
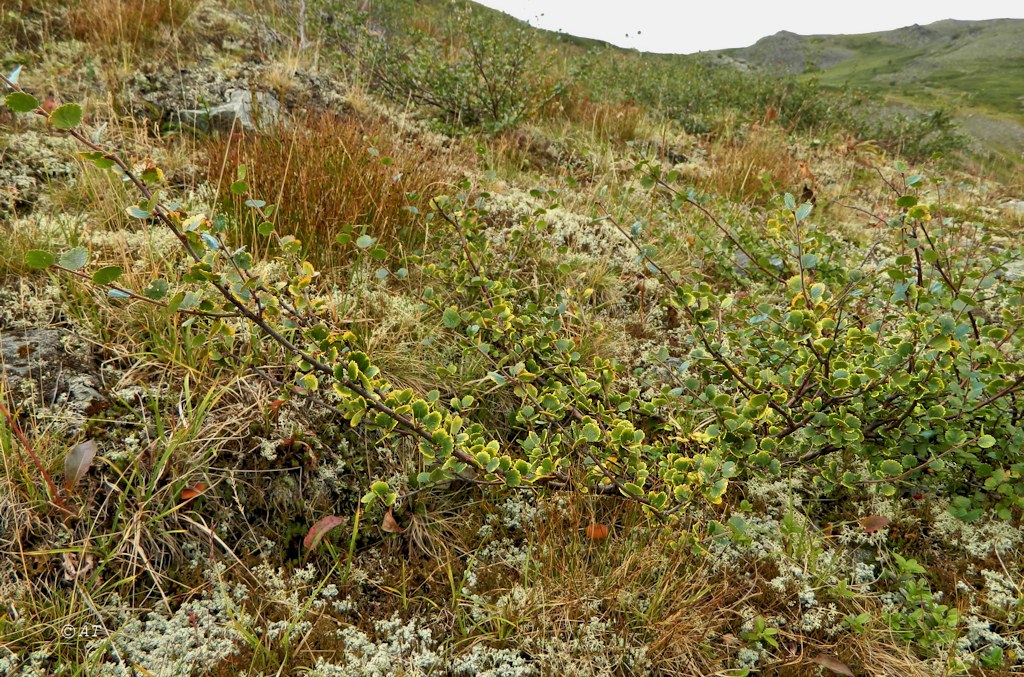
x=16 y=429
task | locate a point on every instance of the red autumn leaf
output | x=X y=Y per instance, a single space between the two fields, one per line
x=826 y=661
x=50 y=103
x=596 y=532
x=197 y=489
x=390 y=525
x=320 y=529
x=873 y=523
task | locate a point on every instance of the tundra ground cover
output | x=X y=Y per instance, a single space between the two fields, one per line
x=608 y=394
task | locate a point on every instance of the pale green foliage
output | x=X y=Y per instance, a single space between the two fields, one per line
x=827 y=366
x=472 y=71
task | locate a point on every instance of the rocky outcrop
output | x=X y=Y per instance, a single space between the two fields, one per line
x=38 y=368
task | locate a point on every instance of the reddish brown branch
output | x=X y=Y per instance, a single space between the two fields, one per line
x=16 y=429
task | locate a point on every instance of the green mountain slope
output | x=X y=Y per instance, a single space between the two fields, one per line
x=973 y=68
x=980 y=61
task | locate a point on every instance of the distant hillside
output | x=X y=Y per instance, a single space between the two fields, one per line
x=976 y=67
x=973 y=68
x=979 y=64
x=982 y=59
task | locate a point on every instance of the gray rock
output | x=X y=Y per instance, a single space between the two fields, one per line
x=37 y=366
x=240 y=112
x=1013 y=271
x=207 y=98
x=1015 y=206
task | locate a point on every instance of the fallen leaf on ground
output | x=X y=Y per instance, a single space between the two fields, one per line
x=320 y=529
x=77 y=462
x=390 y=525
x=826 y=661
x=873 y=523
x=76 y=567
x=197 y=489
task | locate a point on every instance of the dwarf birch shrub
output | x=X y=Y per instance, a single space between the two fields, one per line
x=573 y=428
x=895 y=368
x=700 y=92
x=471 y=71
x=910 y=374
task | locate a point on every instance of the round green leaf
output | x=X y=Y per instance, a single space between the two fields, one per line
x=365 y=241
x=986 y=441
x=591 y=433
x=37 y=259
x=156 y=290
x=67 y=116
x=137 y=212
x=451 y=318
x=107 y=275
x=20 y=102
x=73 y=259
x=955 y=436
x=891 y=468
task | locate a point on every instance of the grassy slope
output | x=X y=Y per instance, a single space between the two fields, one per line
x=980 y=59
x=480 y=579
x=973 y=66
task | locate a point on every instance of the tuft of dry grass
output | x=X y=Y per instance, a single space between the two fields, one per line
x=326 y=171
x=607 y=121
x=753 y=166
x=662 y=595
x=127 y=23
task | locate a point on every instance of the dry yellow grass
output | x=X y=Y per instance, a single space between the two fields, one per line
x=754 y=165
x=328 y=171
x=125 y=23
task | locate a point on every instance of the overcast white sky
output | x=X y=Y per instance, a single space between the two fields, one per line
x=685 y=26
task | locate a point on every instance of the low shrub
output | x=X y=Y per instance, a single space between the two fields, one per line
x=471 y=70
x=917 y=137
x=894 y=367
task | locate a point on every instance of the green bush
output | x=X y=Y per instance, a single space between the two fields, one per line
x=703 y=93
x=471 y=71
x=912 y=374
x=917 y=137
x=908 y=375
